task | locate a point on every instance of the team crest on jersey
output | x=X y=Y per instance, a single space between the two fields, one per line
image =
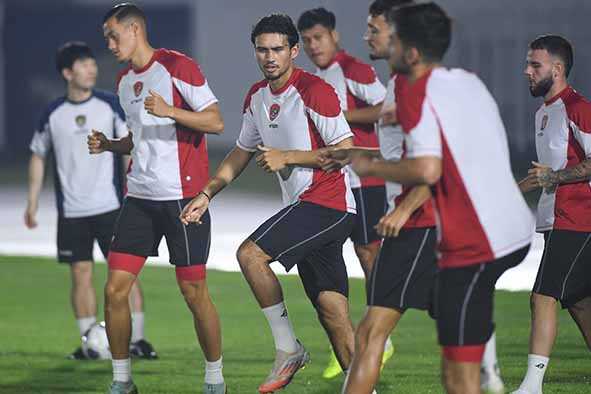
x=137 y=88
x=544 y=122
x=80 y=120
x=274 y=111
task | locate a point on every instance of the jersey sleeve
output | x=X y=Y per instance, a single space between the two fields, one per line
x=580 y=124
x=364 y=84
x=424 y=138
x=192 y=85
x=324 y=109
x=249 y=136
x=41 y=141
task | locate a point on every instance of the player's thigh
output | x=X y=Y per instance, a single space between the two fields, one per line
x=565 y=269
x=404 y=274
x=187 y=245
x=102 y=229
x=294 y=232
x=137 y=230
x=74 y=240
x=371 y=206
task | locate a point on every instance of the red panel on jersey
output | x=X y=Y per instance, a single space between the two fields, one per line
x=409 y=110
x=463 y=241
x=314 y=92
x=328 y=188
x=181 y=67
x=253 y=89
x=354 y=69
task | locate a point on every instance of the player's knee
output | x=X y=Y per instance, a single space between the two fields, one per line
x=331 y=308
x=115 y=293
x=195 y=292
x=249 y=253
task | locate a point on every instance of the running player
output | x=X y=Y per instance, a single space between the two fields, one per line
x=169 y=108
x=563 y=171
x=361 y=94
x=446 y=114
x=289 y=117
x=87 y=206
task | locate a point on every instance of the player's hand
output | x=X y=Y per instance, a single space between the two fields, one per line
x=388 y=115
x=391 y=223
x=194 y=210
x=155 y=105
x=30 y=216
x=543 y=176
x=528 y=184
x=332 y=158
x=97 y=142
x=271 y=160
x=362 y=165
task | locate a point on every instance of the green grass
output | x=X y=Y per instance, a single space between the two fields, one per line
x=37 y=330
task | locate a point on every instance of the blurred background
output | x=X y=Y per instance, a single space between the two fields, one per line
x=490 y=38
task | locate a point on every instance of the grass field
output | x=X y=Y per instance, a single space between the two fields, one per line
x=37 y=331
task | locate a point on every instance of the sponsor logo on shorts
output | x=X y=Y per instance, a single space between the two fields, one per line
x=66 y=253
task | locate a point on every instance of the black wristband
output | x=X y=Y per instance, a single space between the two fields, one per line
x=206 y=195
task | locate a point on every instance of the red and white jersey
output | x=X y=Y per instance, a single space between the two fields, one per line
x=303 y=115
x=563 y=140
x=169 y=161
x=357 y=86
x=392 y=148
x=482 y=215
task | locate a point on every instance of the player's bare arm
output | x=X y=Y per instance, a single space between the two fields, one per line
x=388 y=114
x=36 y=172
x=208 y=120
x=334 y=158
x=391 y=223
x=230 y=168
x=417 y=171
x=99 y=143
x=367 y=115
x=545 y=177
x=274 y=160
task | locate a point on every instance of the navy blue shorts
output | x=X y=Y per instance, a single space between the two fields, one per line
x=371 y=206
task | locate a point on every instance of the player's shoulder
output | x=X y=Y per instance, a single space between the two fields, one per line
x=355 y=69
x=578 y=109
x=51 y=108
x=111 y=99
x=252 y=91
x=121 y=74
x=317 y=94
x=180 y=66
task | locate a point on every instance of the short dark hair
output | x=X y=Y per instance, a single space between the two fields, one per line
x=556 y=46
x=425 y=27
x=382 y=7
x=317 y=16
x=124 y=11
x=276 y=23
x=71 y=51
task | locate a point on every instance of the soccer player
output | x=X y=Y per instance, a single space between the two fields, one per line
x=455 y=141
x=361 y=94
x=290 y=116
x=87 y=205
x=169 y=108
x=563 y=171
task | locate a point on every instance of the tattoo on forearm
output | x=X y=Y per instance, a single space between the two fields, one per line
x=578 y=173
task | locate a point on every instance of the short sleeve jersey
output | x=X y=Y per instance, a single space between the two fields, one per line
x=449 y=113
x=357 y=86
x=563 y=140
x=85 y=185
x=169 y=161
x=305 y=114
x=391 y=138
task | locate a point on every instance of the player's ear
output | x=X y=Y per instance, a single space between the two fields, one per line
x=67 y=74
x=335 y=35
x=295 y=50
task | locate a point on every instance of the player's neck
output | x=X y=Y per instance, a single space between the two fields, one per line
x=419 y=70
x=280 y=82
x=78 y=95
x=142 y=56
x=557 y=87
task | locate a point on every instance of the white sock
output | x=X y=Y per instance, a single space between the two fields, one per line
x=137 y=326
x=122 y=370
x=281 y=328
x=534 y=377
x=213 y=372
x=388 y=344
x=84 y=323
x=489 y=360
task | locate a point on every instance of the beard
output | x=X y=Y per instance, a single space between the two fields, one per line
x=541 y=88
x=401 y=67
